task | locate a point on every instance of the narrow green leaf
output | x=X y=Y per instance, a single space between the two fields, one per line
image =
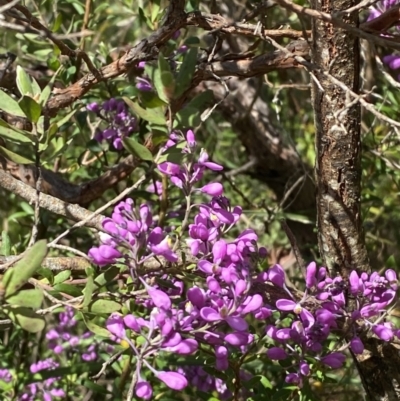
x=44 y=96
x=14 y=157
x=9 y=105
x=37 y=91
x=26 y=267
x=96 y=388
x=96 y=329
x=62 y=276
x=31 y=108
x=13 y=134
x=26 y=318
x=32 y=298
x=137 y=149
x=186 y=71
x=163 y=80
x=5 y=244
x=65 y=119
x=155 y=116
x=68 y=289
x=104 y=306
x=88 y=291
x=24 y=82
x=107 y=277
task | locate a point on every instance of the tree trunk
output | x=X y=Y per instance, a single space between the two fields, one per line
x=338 y=178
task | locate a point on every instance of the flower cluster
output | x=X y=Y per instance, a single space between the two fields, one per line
x=131 y=235
x=214 y=311
x=62 y=338
x=47 y=389
x=119 y=122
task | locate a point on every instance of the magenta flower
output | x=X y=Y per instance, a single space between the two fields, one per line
x=143 y=390
x=334 y=360
x=277 y=353
x=173 y=380
x=213 y=189
x=356 y=345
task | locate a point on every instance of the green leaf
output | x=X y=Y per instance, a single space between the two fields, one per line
x=155 y=116
x=104 y=306
x=14 y=134
x=37 y=91
x=96 y=329
x=65 y=119
x=5 y=244
x=24 y=82
x=96 y=388
x=31 y=108
x=68 y=289
x=26 y=318
x=32 y=298
x=88 y=291
x=107 y=277
x=14 y=157
x=44 y=96
x=190 y=115
x=26 y=267
x=163 y=80
x=9 y=105
x=186 y=71
x=62 y=276
x=137 y=149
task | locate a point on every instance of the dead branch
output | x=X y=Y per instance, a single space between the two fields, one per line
x=54 y=205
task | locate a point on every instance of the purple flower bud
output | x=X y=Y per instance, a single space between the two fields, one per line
x=252 y=304
x=159 y=298
x=169 y=168
x=356 y=345
x=131 y=322
x=334 y=360
x=355 y=285
x=286 y=304
x=143 y=390
x=185 y=347
x=383 y=331
x=219 y=251
x=240 y=287
x=311 y=271
x=237 y=323
x=104 y=255
x=277 y=353
x=173 y=380
x=213 y=284
x=93 y=107
x=115 y=325
x=190 y=139
x=276 y=275
x=213 y=189
x=237 y=339
x=391 y=276
x=293 y=378
x=304 y=368
x=196 y=297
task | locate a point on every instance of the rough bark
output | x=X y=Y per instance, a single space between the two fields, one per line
x=338 y=177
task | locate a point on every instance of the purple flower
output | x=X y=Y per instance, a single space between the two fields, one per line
x=173 y=380
x=277 y=353
x=334 y=360
x=356 y=345
x=214 y=189
x=115 y=325
x=143 y=390
x=383 y=331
